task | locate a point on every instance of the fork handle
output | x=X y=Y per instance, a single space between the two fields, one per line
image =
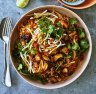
x=8 y=76
x=5 y=64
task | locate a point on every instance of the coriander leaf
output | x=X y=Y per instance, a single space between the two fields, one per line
x=47 y=27
x=24 y=72
x=19 y=46
x=71 y=28
x=84 y=44
x=51 y=29
x=44 y=29
x=72 y=21
x=44 y=23
x=81 y=32
x=75 y=46
x=41 y=23
x=59 y=25
x=68 y=56
x=60 y=32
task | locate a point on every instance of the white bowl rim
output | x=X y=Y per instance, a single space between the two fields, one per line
x=87 y=61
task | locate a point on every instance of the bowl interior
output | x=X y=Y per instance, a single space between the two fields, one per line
x=82 y=65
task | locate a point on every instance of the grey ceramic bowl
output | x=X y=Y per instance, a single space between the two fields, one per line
x=81 y=66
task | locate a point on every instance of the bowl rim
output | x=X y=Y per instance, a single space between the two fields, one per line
x=77 y=75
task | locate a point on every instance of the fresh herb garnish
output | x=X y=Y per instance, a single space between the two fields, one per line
x=72 y=21
x=84 y=44
x=69 y=46
x=75 y=46
x=51 y=29
x=68 y=56
x=81 y=32
x=44 y=23
x=19 y=46
x=20 y=66
x=59 y=25
x=46 y=26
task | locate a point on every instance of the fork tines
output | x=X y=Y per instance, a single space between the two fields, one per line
x=7 y=26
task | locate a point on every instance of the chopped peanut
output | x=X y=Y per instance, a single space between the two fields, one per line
x=65 y=70
x=37 y=57
x=52 y=80
x=36 y=64
x=23 y=43
x=45 y=58
x=57 y=56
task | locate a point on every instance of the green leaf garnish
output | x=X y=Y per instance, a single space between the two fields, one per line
x=69 y=46
x=59 y=25
x=68 y=56
x=60 y=32
x=46 y=26
x=19 y=46
x=72 y=21
x=44 y=23
x=20 y=66
x=81 y=32
x=84 y=44
x=51 y=29
x=75 y=46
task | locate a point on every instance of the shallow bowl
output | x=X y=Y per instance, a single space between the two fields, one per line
x=82 y=64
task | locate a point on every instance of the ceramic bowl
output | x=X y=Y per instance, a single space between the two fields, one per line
x=82 y=65
x=86 y=4
x=78 y=2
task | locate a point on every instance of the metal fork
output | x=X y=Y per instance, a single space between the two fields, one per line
x=5 y=35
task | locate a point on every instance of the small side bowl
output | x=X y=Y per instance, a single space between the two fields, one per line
x=78 y=2
x=86 y=4
x=82 y=65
